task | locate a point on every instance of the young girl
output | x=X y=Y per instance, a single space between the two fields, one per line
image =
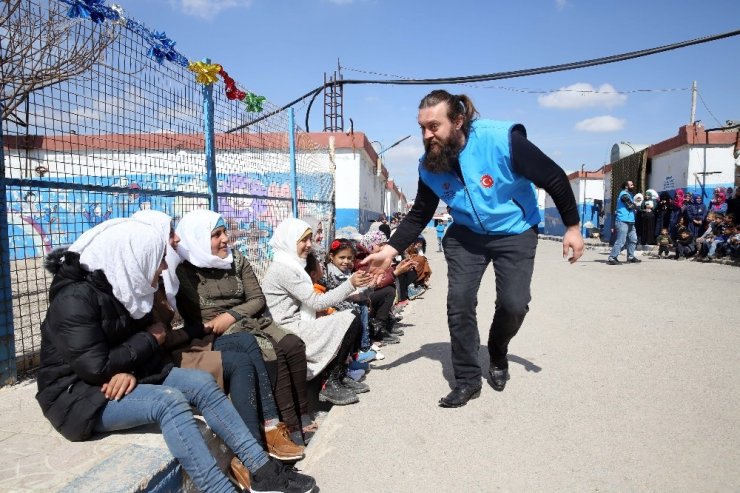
x=339 y=267
x=384 y=294
x=100 y=370
x=219 y=290
x=293 y=304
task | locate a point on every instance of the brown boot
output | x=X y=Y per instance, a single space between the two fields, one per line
x=240 y=474
x=280 y=446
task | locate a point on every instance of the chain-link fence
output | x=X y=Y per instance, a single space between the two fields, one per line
x=101 y=117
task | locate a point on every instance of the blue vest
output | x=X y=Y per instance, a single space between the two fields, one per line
x=622 y=212
x=491 y=198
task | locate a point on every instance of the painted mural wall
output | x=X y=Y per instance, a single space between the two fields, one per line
x=41 y=218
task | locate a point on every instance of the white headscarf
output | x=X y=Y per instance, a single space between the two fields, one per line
x=284 y=243
x=129 y=253
x=194 y=230
x=163 y=223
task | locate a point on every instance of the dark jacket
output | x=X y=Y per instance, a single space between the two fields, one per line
x=87 y=337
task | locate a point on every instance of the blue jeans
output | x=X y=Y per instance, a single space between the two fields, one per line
x=625 y=233
x=365 y=321
x=169 y=406
x=468 y=256
x=243 y=364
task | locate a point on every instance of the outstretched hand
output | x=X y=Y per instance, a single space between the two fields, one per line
x=379 y=262
x=573 y=241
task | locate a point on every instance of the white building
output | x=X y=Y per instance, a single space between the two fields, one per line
x=588 y=189
x=364 y=189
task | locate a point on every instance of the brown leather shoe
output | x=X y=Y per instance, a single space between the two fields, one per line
x=240 y=474
x=280 y=446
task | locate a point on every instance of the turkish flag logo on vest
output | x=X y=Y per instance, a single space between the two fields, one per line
x=486 y=181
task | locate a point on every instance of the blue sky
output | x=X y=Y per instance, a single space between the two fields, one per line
x=281 y=49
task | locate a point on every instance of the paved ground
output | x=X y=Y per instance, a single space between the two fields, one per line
x=616 y=386
x=624 y=378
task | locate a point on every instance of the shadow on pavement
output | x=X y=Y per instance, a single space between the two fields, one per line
x=440 y=351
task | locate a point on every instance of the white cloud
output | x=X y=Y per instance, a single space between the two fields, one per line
x=604 y=123
x=582 y=95
x=561 y=4
x=208 y=9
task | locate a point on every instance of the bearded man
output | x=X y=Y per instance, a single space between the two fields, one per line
x=485 y=171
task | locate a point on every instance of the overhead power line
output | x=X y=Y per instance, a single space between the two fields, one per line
x=494 y=76
x=525 y=90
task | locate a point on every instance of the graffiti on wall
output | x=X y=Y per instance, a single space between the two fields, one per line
x=41 y=219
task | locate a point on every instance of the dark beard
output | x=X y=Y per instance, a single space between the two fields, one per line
x=441 y=158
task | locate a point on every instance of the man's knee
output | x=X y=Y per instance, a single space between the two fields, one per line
x=512 y=307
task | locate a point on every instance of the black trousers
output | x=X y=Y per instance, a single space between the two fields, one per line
x=350 y=344
x=382 y=301
x=290 y=383
x=468 y=255
x=404 y=281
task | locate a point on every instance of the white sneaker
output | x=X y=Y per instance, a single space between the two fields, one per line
x=375 y=348
x=379 y=355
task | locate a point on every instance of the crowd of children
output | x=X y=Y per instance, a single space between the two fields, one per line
x=378 y=306
x=683 y=226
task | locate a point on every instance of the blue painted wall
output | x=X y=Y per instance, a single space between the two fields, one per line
x=360 y=219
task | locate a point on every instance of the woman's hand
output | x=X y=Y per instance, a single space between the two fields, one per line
x=220 y=324
x=119 y=385
x=159 y=331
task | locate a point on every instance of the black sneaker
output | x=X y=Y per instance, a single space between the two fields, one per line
x=273 y=477
x=337 y=394
x=613 y=261
x=634 y=260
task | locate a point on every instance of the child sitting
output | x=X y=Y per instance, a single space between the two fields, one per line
x=664 y=242
x=685 y=246
x=340 y=263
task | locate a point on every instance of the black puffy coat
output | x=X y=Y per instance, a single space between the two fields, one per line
x=87 y=337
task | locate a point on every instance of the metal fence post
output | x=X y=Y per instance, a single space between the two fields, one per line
x=210 y=144
x=293 y=172
x=8 y=373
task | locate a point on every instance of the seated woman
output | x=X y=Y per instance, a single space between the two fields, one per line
x=100 y=367
x=293 y=304
x=234 y=360
x=218 y=289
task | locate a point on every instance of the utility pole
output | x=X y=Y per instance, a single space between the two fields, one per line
x=693 y=103
x=334 y=101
